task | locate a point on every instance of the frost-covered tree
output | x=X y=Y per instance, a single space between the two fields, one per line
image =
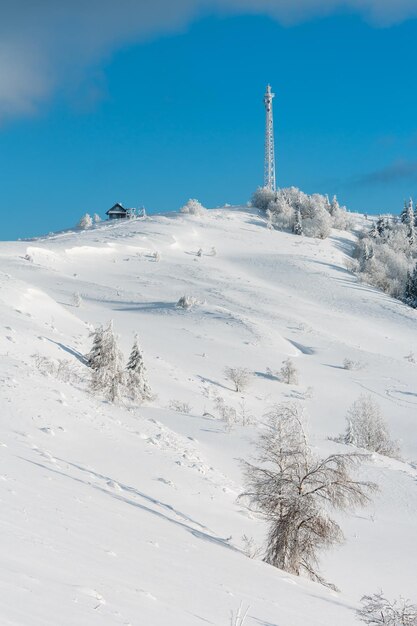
x=317 y=223
x=95 y=358
x=382 y=225
x=262 y=197
x=295 y=491
x=377 y=610
x=289 y=373
x=404 y=212
x=284 y=208
x=96 y=218
x=385 y=261
x=193 y=207
x=281 y=212
x=85 y=222
x=105 y=360
x=136 y=377
x=367 y=429
x=410 y=294
x=239 y=376
x=297 y=228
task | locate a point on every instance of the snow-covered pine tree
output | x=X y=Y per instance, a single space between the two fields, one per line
x=136 y=379
x=85 y=222
x=297 y=228
x=410 y=222
x=410 y=295
x=95 y=356
x=403 y=214
x=382 y=225
x=106 y=363
x=334 y=206
x=96 y=218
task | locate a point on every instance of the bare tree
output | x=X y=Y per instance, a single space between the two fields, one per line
x=376 y=610
x=367 y=429
x=239 y=376
x=289 y=373
x=294 y=491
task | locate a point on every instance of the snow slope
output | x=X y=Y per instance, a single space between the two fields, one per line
x=128 y=515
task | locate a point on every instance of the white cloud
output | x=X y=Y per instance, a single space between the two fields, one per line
x=44 y=43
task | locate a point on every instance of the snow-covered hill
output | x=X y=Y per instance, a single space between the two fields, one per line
x=118 y=515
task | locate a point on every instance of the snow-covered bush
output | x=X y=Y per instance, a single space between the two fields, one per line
x=77 y=300
x=350 y=364
x=294 y=490
x=186 y=302
x=367 y=429
x=193 y=207
x=62 y=369
x=376 y=610
x=226 y=413
x=180 y=407
x=239 y=376
x=289 y=373
x=85 y=222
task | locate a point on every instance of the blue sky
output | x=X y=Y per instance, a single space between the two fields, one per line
x=155 y=117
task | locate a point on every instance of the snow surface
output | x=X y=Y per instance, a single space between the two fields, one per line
x=128 y=515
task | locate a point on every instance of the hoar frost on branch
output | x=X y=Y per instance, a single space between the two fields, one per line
x=376 y=610
x=295 y=491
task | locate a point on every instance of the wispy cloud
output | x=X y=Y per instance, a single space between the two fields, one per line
x=44 y=44
x=396 y=172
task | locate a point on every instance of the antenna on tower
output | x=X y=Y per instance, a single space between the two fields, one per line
x=269 y=166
